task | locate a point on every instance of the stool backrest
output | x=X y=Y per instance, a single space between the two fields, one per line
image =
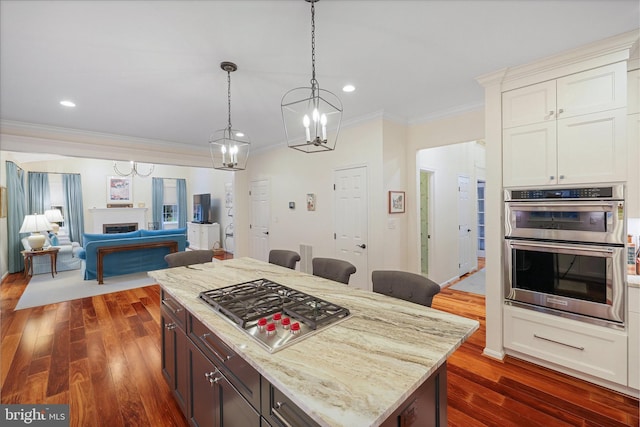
x=333 y=269
x=284 y=258
x=404 y=285
x=178 y=259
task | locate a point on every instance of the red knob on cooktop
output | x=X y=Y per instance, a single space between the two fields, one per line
x=271 y=328
x=277 y=317
x=262 y=323
x=295 y=328
x=286 y=323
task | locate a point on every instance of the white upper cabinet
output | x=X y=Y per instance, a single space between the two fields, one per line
x=567 y=131
x=528 y=105
x=591 y=91
x=633 y=97
x=633 y=181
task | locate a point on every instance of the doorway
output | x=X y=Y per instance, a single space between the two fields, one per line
x=446 y=188
x=426 y=180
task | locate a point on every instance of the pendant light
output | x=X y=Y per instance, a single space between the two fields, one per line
x=309 y=114
x=134 y=169
x=229 y=147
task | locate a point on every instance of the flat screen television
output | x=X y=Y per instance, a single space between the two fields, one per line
x=202 y=208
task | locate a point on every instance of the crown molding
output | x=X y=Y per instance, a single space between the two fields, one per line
x=35 y=138
x=603 y=52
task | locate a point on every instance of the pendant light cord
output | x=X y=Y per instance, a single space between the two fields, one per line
x=314 y=82
x=229 y=98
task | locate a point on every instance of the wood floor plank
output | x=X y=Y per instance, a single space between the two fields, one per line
x=113 y=350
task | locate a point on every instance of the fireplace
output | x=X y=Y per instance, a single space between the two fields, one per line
x=124 y=227
x=117 y=216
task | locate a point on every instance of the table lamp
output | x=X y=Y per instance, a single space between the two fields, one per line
x=35 y=224
x=54 y=216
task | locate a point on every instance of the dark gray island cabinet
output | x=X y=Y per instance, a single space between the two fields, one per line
x=356 y=373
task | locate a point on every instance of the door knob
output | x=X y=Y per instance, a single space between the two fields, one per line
x=363 y=246
x=265 y=232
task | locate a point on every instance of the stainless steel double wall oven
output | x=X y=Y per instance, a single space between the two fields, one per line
x=565 y=252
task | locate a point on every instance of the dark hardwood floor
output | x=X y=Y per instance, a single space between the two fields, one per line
x=101 y=355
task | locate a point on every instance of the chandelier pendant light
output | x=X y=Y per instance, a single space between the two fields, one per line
x=134 y=170
x=311 y=115
x=229 y=147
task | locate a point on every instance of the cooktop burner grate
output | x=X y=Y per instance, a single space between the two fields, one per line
x=245 y=304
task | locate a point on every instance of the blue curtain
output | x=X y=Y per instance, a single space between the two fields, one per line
x=181 y=185
x=17 y=209
x=74 y=219
x=157 y=201
x=39 y=197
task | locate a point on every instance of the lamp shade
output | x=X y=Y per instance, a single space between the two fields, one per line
x=53 y=215
x=35 y=224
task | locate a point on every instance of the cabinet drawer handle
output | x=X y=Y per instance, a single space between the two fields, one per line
x=203 y=338
x=170 y=326
x=166 y=301
x=280 y=418
x=211 y=377
x=558 y=342
x=550 y=114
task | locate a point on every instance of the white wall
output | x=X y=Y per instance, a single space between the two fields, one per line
x=293 y=174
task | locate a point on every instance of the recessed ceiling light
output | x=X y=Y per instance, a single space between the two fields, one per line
x=348 y=88
x=67 y=103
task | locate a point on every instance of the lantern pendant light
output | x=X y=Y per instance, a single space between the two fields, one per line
x=229 y=147
x=311 y=115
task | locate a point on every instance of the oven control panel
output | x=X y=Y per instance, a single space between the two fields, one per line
x=563 y=193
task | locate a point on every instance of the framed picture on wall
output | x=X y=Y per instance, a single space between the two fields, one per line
x=396 y=201
x=119 y=190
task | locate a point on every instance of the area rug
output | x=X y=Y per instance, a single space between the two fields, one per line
x=474 y=284
x=69 y=285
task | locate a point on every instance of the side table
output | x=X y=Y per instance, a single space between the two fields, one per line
x=28 y=259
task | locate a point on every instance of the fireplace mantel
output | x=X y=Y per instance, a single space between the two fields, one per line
x=102 y=216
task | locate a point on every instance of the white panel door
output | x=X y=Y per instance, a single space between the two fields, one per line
x=351 y=219
x=465 y=243
x=260 y=214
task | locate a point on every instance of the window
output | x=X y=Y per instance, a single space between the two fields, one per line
x=170 y=204
x=169 y=213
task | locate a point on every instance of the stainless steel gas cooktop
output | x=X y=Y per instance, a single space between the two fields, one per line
x=275 y=315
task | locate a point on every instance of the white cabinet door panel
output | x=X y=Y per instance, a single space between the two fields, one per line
x=592 y=148
x=528 y=105
x=633 y=92
x=600 y=89
x=529 y=155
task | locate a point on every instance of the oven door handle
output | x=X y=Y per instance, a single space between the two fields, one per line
x=583 y=248
x=575 y=205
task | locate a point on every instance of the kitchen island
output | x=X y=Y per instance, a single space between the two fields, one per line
x=362 y=371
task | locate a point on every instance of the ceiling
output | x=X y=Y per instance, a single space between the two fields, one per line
x=150 y=69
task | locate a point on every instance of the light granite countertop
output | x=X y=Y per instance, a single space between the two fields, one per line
x=354 y=373
x=633 y=281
